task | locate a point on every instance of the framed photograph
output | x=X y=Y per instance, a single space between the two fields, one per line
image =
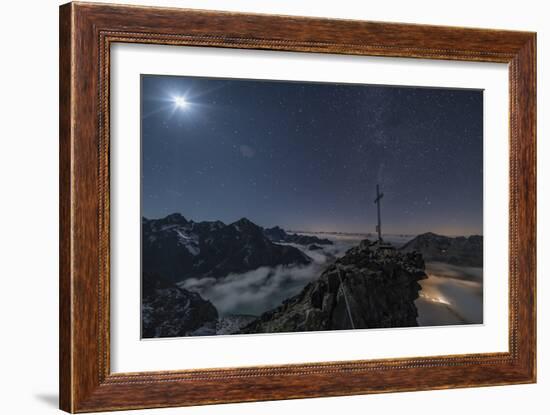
x=258 y=207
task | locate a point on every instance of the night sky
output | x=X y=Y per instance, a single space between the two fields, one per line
x=308 y=156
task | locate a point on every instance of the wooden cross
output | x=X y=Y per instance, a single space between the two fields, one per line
x=379 y=196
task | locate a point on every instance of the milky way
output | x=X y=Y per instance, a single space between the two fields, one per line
x=308 y=156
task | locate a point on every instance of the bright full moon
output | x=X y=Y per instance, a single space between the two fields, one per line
x=180 y=102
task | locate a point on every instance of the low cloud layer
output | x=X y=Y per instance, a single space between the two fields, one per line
x=264 y=288
x=451 y=295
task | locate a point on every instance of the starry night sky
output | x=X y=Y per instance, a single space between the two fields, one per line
x=308 y=156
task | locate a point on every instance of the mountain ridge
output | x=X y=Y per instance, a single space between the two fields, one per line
x=178 y=248
x=278 y=234
x=459 y=250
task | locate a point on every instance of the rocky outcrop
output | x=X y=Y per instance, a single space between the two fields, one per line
x=372 y=286
x=457 y=251
x=277 y=234
x=170 y=311
x=233 y=323
x=178 y=248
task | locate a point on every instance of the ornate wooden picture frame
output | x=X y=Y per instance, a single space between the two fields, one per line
x=87 y=32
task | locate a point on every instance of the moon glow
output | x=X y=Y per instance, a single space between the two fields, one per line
x=180 y=102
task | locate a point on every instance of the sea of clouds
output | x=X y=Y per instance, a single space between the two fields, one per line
x=451 y=294
x=254 y=292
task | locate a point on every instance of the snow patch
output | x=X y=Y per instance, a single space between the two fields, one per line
x=189 y=241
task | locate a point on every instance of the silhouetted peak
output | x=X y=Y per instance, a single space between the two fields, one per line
x=244 y=222
x=175 y=218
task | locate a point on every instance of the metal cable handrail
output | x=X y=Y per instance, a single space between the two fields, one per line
x=345 y=297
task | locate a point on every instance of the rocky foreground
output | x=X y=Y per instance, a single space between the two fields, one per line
x=372 y=286
x=170 y=311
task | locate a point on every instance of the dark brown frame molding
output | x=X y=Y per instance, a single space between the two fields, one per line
x=86 y=33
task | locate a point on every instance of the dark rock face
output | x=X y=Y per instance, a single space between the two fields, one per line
x=178 y=249
x=377 y=286
x=276 y=234
x=457 y=251
x=231 y=324
x=170 y=311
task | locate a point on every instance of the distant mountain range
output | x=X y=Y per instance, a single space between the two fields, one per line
x=464 y=251
x=177 y=248
x=277 y=234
